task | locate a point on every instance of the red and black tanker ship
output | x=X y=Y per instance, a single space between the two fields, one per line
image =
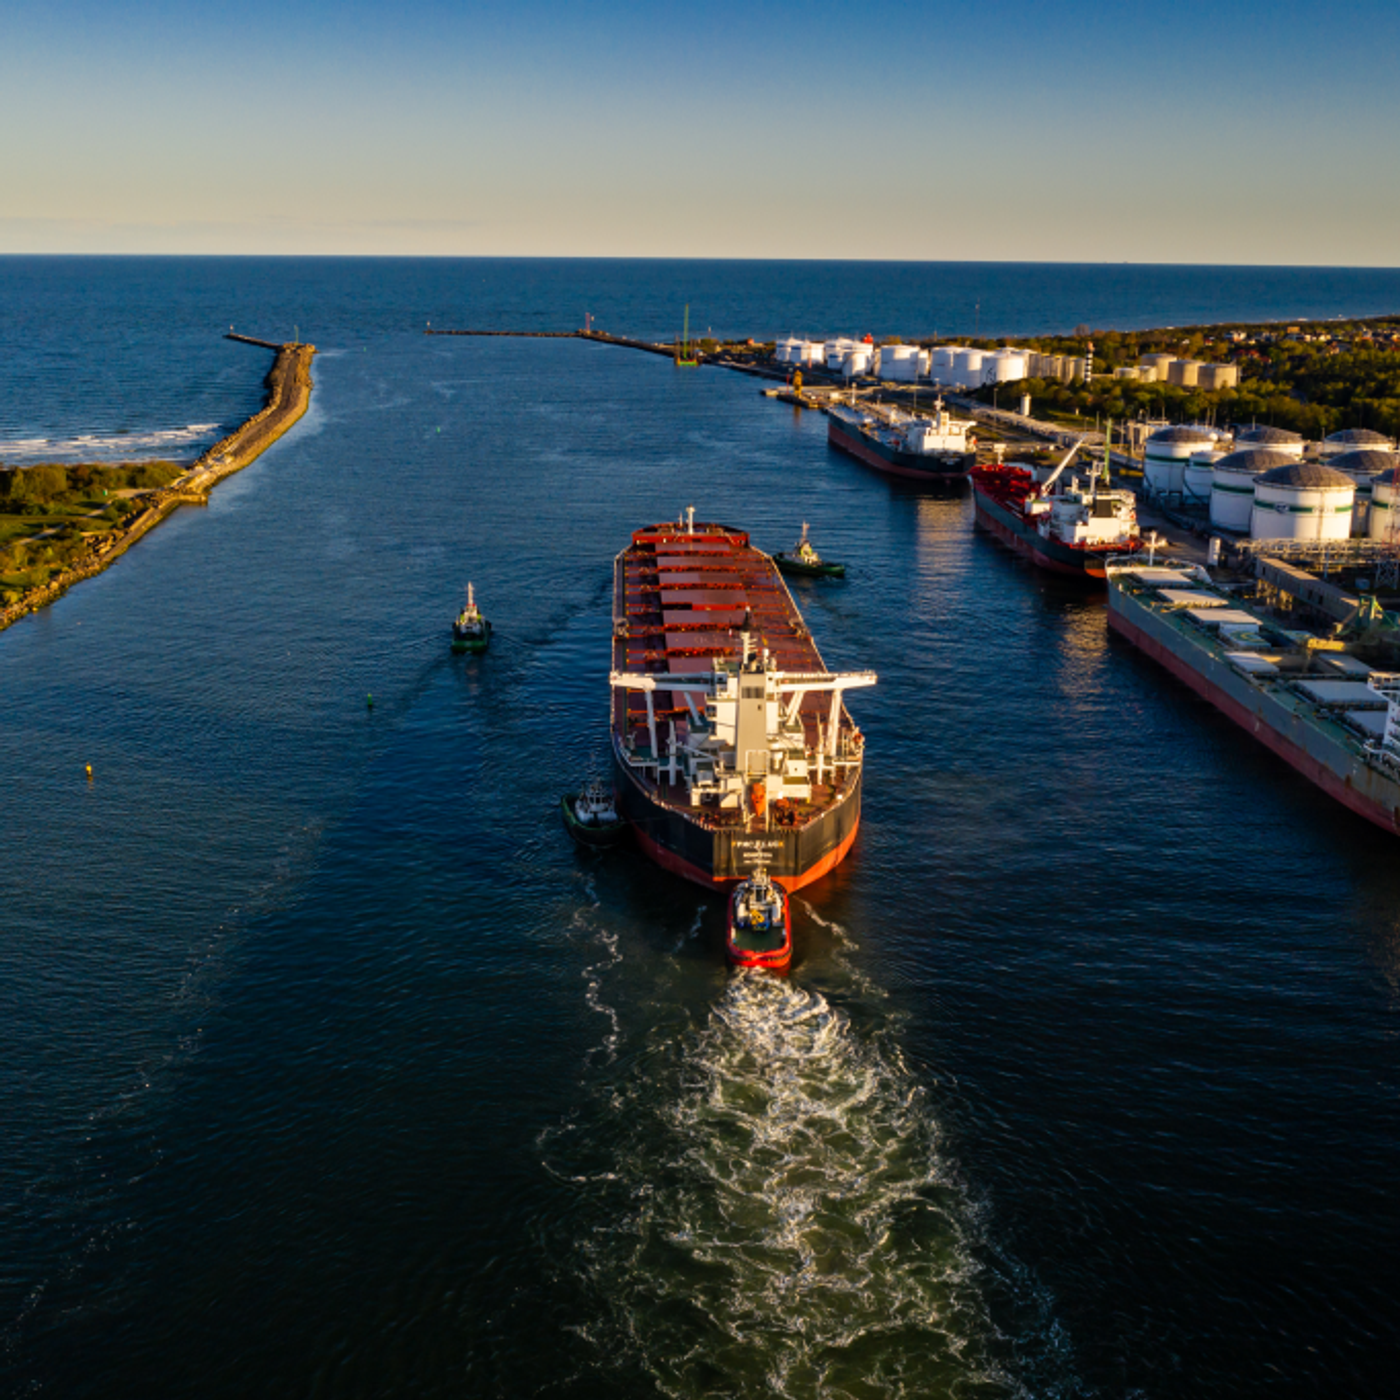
x=1069 y=526
x=732 y=747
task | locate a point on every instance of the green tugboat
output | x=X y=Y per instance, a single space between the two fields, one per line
x=591 y=816
x=471 y=632
x=805 y=562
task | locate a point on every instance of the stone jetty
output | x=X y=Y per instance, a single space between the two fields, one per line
x=288 y=396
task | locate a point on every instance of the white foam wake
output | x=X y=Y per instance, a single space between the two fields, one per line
x=790 y=1227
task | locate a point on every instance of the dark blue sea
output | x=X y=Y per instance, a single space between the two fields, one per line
x=329 y=1067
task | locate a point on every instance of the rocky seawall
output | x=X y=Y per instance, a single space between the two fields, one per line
x=288 y=396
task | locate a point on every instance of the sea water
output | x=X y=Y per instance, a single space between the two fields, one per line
x=330 y=1066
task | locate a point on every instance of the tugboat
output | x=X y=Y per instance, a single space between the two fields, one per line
x=471 y=632
x=805 y=562
x=591 y=816
x=760 y=924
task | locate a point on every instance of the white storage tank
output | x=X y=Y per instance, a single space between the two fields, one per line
x=940 y=366
x=1275 y=439
x=1363 y=466
x=1384 y=520
x=1197 y=477
x=967 y=367
x=1356 y=439
x=1004 y=366
x=1302 y=501
x=834 y=353
x=1232 y=485
x=1165 y=454
x=899 y=363
x=788 y=351
x=858 y=361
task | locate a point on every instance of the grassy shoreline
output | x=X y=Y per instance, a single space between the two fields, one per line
x=76 y=553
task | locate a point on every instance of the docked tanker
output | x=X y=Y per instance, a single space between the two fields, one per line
x=732 y=746
x=1060 y=523
x=921 y=448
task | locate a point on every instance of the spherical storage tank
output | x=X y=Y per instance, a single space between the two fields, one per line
x=1363 y=466
x=1232 y=485
x=1164 y=465
x=1275 y=439
x=1384 y=520
x=1302 y=501
x=1352 y=439
x=1198 y=475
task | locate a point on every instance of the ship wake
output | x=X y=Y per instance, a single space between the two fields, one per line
x=783 y=1220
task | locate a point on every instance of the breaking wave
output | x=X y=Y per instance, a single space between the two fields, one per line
x=104 y=447
x=783 y=1221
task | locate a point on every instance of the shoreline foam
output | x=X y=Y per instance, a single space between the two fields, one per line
x=288 y=396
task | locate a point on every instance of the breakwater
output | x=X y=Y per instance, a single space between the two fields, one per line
x=288 y=386
x=602 y=337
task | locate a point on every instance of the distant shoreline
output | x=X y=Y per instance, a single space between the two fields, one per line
x=288 y=385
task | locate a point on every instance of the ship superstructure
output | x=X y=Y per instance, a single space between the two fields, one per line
x=732 y=746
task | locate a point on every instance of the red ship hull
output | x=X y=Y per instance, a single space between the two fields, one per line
x=999 y=498
x=768 y=959
x=680 y=600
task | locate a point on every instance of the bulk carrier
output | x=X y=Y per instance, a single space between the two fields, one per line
x=1313 y=700
x=733 y=751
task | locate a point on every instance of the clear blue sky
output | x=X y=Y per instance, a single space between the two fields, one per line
x=1146 y=132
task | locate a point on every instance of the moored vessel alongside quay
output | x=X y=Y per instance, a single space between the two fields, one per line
x=732 y=747
x=935 y=447
x=1313 y=700
x=1069 y=526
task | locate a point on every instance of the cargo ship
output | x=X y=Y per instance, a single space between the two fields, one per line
x=733 y=750
x=1066 y=525
x=1313 y=700
x=937 y=448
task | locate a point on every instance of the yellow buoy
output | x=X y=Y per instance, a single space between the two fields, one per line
x=89 y=772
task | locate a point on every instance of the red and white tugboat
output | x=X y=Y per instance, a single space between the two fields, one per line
x=1069 y=526
x=760 y=924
